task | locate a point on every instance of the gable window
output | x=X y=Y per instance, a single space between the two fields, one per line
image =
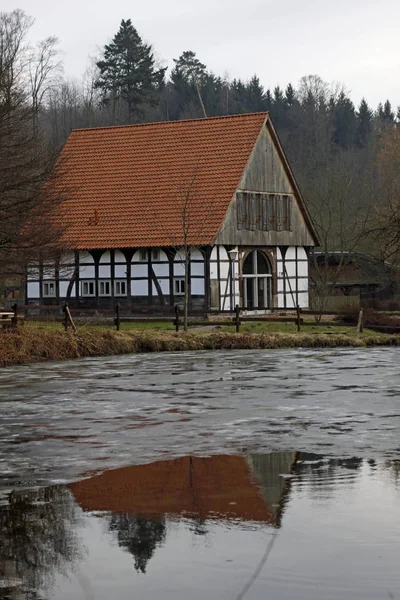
x=120 y=287
x=263 y=212
x=104 y=288
x=155 y=254
x=88 y=288
x=49 y=289
x=143 y=255
x=179 y=287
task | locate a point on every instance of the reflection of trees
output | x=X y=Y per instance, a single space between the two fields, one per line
x=139 y=535
x=37 y=540
x=323 y=475
x=393 y=466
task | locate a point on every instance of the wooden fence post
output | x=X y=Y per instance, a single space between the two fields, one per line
x=176 y=317
x=68 y=319
x=15 y=317
x=298 y=318
x=118 y=319
x=360 y=324
x=237 y=318
x=65 y=321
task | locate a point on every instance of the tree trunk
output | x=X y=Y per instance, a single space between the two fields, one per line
x=187 y=291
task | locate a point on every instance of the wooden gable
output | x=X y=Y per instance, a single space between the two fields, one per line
x=267 y=208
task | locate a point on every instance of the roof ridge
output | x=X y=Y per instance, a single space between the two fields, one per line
x=156 y=123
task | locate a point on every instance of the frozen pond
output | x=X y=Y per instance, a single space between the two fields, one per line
x=218 y=474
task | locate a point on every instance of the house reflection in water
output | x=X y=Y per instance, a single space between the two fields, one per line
x=239 y=489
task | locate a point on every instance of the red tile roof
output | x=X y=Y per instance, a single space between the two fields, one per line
x=126 y=185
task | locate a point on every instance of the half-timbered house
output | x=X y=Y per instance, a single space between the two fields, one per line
x=214 y=198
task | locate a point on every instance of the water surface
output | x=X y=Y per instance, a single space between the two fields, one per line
x=257 y=474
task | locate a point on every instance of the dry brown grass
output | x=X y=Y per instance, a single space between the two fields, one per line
x=34 y=345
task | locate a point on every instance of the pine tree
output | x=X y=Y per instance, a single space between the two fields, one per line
x=189 y=68
x=343 y=121
x=127 y=72
x=255 y=101
x=364 y=123
x=385 y=113
x=188 y=77
x=290 y=96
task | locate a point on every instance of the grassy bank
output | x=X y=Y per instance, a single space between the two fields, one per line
x=34 y=344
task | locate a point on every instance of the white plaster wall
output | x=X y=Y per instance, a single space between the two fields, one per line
x=139 y=270
x=120 y=271
x=289 y=301
x=86 y=265
x=33 y=273
x=213 y=264
x=303 y=285
x=33 y=290
x=85 y=258
x=302 y=254
x=302 y=269
x=197 y=287
x=66 y=272
x=105 y=257
x=64 y=288
x=68 y=258
x=290 y=269
x=197 y=268
x=86 y=272
x=290 y=253
x=119 y=256
x=303 y=299
x=160 y=270
x=179 y=269
x=164 y=284
x=49 y=271
x=136 y=257
x=139 y=288
x=105 y=271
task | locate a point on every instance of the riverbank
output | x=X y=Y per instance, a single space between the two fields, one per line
x=30 y=344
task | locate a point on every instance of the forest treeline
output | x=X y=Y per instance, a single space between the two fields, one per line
x=345 y=157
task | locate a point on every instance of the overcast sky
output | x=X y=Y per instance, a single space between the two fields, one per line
x=355 y=42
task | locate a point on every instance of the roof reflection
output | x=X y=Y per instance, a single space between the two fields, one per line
x=240 y=488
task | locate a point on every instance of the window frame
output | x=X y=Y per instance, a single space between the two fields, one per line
x=179 y=282
x=105 y=282
x=48 y=283
x=143 y=256
x=119 y=282
x=88 y=282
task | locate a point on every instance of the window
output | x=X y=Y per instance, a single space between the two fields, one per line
x=120 y=287
x=143 y=255
x=286 y=213
x=263 y=212
x=179 y=287
x=104 y=288
x=88 y=288
x=155 y=254
x=270 y=200
x=49 y=289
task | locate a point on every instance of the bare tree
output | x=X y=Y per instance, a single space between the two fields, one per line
x=44 y=71
x=385 y=220
x=340 y=197
x=27 y=206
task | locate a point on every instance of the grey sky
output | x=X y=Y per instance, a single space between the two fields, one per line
x=355 y=42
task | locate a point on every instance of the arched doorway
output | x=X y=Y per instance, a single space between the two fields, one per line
x=257 y=281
